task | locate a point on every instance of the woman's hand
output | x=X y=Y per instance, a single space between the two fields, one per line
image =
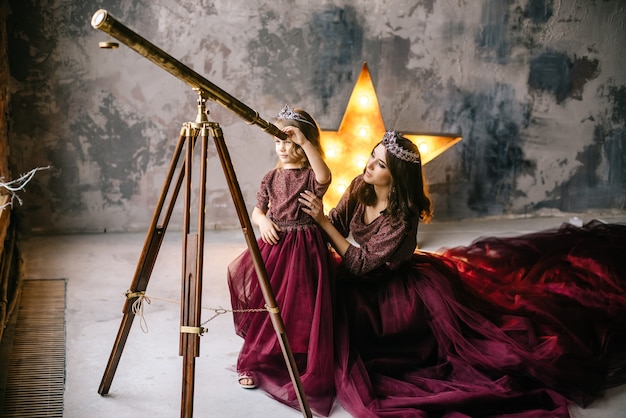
x=313 y=206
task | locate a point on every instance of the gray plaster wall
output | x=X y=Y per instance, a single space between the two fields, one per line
x=537 y=88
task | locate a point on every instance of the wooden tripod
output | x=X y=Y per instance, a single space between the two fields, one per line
x=193 y=250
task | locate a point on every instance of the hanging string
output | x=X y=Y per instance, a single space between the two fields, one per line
x=137 y=308
x=17 y=185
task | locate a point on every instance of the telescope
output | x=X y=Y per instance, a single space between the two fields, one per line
x=103 y=21
x=193 y=242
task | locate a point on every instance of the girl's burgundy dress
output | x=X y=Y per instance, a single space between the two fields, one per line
x=516 y=326
x=298 y=271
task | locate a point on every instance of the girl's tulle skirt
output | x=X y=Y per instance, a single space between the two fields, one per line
x=298 y=268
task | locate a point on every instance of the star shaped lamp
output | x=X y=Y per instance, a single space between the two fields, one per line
x=348 y=149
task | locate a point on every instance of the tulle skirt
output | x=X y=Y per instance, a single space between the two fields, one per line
x=298 y=268
x=512 y=327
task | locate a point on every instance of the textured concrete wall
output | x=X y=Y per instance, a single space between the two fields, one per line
x=536 y=87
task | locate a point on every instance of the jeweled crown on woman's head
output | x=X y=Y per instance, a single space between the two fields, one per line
x=391 y=141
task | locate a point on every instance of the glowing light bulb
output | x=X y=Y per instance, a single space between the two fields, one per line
x=331 y=152
x=360 y=161
x=341 y=187
x=423 y=147
x=363 y=131
x=364 y=100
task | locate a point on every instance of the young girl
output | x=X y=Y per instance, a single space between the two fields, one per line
x=297 y=262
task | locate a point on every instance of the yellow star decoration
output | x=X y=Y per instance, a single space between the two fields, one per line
x=362 y=127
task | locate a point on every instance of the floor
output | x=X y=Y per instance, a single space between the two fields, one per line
x=99 y=269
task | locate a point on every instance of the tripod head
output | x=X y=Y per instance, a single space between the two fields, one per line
x=105 y=22
x=202 y=115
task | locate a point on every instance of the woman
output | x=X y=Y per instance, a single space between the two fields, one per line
x=520 y=326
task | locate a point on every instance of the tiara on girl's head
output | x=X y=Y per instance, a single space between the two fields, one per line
x=289 y=114
x=390 y=141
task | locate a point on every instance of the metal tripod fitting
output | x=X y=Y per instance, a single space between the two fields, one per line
x=203 y=113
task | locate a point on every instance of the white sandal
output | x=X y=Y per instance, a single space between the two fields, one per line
x=243 y=377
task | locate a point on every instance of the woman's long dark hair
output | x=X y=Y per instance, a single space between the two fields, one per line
x=409 y=200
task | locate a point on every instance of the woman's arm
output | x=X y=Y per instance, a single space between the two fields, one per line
x=383 y=243
x=338 y=229
x=313 y=206
x=386 y=245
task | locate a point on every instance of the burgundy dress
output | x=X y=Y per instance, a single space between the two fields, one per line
x=504 y=327
x=298 y=271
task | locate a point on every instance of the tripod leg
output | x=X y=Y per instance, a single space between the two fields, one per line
x=145 y=265
x=253 y=247
x=191 y=294
x=189 y=342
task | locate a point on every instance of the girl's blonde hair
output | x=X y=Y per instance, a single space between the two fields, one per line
x=309 y=129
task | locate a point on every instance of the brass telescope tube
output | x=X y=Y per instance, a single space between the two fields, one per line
x=105 y=22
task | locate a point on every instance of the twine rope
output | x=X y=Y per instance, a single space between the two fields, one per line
x=138 y=308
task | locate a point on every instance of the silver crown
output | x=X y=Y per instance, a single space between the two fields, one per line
x=390 y=140
x=288 y=114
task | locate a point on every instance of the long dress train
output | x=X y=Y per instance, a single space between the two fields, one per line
x=519 y=326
